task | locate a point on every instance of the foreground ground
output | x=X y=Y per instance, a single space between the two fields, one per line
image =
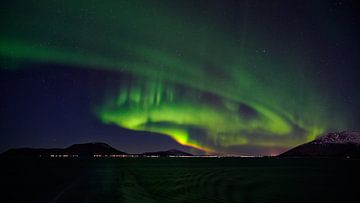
x=180 y=180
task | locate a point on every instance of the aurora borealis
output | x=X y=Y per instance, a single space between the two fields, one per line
x=216 y=76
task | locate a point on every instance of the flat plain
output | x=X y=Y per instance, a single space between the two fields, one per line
x=180 y=180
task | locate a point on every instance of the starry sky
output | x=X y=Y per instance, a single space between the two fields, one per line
x=207 y=77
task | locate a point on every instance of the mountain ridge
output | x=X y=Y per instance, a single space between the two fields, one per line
x=171 y=152
x=82 y=150
x=345 y=144
x=90 y=149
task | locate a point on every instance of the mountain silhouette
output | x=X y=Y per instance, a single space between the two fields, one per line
x=171 y=152
x=79 y=150
x=96 y=148
x=336 y=144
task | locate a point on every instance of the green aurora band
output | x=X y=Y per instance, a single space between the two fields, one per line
x=188 y=76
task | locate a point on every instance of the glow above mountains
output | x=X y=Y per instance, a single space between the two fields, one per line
x=203 y=80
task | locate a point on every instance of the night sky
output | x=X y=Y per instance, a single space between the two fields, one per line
x=242 y=77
